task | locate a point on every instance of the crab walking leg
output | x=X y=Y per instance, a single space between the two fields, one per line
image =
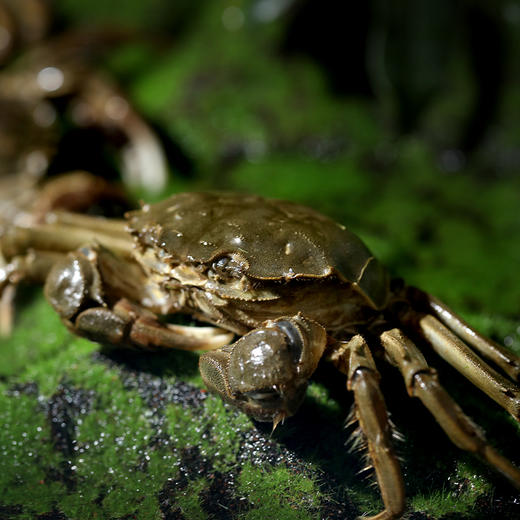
x=353 y=358
x=29 y=253
x=114 y=227
x=7 y=296
x=422 y=382
x=62 y=238
x=460 y=356
x=76 y=191
x=505 y=359
x=33 y=267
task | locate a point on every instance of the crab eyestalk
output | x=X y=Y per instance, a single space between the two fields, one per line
x=265 y=372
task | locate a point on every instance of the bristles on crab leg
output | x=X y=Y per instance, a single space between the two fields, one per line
x=422 y=382
x=371 y=411
x=354 y=359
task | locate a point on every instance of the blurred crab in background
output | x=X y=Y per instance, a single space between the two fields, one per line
x=22 y=23
x=54 y=83
x=49 y=87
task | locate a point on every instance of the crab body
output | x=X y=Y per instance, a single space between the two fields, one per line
x=239 y=260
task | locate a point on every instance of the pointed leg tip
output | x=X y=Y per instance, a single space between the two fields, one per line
x=277 y=420
x=383 y=515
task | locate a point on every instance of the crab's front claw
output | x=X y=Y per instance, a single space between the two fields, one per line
x=72 y=283
x=96 y=293
x=265 y=372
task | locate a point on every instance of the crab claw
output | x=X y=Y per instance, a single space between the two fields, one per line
x=265 y=373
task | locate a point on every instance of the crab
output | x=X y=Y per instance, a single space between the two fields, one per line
x=294 y=286
x=56 y=84
x=22 y=23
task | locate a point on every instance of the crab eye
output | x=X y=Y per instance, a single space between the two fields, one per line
x=221 y=263
x=294 y=339
x=229 y=266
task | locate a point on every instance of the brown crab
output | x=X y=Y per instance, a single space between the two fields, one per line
x=295 y=285
x=22 y=23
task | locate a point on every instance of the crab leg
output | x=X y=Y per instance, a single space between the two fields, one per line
x=63 y=238
x=113 y=226
x=461 y=357
x=7 y=296
x=422 y=382
x=33 y=267
x=505 y=359
x=32 y=251
x=98 y=296
x=353 y=358
x=128 y=325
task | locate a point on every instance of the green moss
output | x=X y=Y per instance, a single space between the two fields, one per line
x=295 y=494
x=188 y=500
x=26 y=454
x=215 y=430
x=444 y=501
x=224 y=433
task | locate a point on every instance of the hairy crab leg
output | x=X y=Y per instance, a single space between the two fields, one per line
x=113 y=226
x=505 y=359
x=353 y=358
x=461 y=357
x=63 y=237
x=422 y=382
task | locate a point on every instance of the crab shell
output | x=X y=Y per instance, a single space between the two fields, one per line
x=271 y=240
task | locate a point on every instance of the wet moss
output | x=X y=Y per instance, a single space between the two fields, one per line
x=293 y=492
x=27 y=455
